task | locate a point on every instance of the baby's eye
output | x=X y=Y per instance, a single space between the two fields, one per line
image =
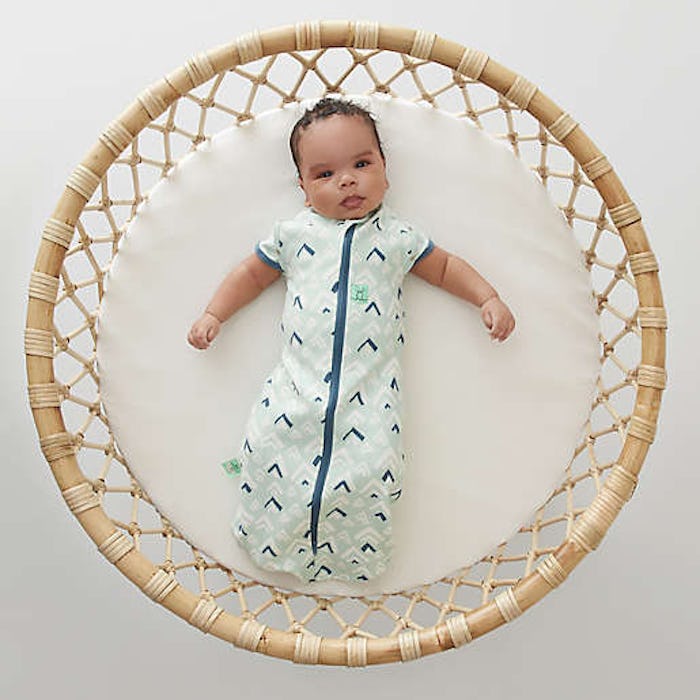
x=362 y=164
x=324 y=174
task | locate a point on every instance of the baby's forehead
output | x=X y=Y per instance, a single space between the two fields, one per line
x=337 y=122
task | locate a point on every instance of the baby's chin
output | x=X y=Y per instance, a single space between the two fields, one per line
x=341 y=213
x=360 y=212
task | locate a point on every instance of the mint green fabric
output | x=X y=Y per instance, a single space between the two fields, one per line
x=329 y=414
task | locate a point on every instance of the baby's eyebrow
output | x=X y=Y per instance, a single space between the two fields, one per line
x=327 y=166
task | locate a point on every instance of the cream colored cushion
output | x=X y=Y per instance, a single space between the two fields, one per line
x=488 y=428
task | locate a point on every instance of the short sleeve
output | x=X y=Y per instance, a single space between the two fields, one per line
x=269 y=250
x=415 y=246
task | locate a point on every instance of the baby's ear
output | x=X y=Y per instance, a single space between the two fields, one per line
x=306 y=198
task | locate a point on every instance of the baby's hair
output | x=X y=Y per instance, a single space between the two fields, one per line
x=324 y=108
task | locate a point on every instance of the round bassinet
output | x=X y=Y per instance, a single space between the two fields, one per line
x=90 y=232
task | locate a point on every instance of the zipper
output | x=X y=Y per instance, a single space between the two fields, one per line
x=328 y=425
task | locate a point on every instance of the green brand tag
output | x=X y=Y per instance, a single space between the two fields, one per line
x=233 y=466
x=359 y=292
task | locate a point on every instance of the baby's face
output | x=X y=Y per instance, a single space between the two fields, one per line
x=341 y=169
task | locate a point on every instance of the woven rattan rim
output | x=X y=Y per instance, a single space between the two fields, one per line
x=120 y=545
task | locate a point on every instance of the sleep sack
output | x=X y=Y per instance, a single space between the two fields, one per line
x=321 y=461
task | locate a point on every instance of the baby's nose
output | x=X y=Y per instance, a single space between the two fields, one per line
x=347 y=178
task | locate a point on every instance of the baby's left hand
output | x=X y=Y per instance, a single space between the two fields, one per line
x=497 y=318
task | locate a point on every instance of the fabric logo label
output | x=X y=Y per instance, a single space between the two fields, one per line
x=232 y=466
x=359 y=292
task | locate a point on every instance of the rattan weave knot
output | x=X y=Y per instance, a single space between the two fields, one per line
x=365 y=35
x=622 y=481
x=356 y=648
x=81 y=498
x=116 y=546
x=83 y=181
x=38 y=342
x=58 y=232
x=116 y=137
x=457 y=626
x=409 y=645
x=472 y=63
x=152 y=102
x=643 y=262
x=625 y=214
x=591 y=527
x=249 y=47
x=307 y=35
x=521 y=92
x=43 y=286
x=597 y=167
x=205 y=614
x=199 y=69
x=552 y=571
x=57 y=446
x=306 y=648
x=508 y=605
x=160 y=585
x=562 y=126
x=652 y=317
x=642 y=428
x=652 y=376
x=423 y=43
x=44 y=395
x=250 y=634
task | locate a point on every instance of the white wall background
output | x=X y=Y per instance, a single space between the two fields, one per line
x=623 y=626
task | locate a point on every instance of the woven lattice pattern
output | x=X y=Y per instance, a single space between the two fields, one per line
x=236 y=95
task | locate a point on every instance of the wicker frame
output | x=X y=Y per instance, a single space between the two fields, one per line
x=122 y=543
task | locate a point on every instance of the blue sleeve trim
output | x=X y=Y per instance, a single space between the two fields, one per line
x=427 y=250
x=266 y=259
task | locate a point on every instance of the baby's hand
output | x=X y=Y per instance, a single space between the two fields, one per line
x=497 y=318
x=203 y=331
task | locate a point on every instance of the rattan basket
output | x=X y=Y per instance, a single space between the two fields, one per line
x=229 y=85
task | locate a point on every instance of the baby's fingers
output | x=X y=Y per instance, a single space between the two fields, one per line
x=197 y=338
x=496 y=330
x=503 y=330
x=211 y=333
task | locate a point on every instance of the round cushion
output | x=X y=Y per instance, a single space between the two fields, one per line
x=488 y=428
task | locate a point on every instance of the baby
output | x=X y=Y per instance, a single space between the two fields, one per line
x=321 y=462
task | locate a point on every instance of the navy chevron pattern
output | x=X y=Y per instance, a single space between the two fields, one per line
x=369 y=343
x=354 y=432
x=305 y=249
x=275 y=468
x=357 y=396
x=377 y=254
x=322 y=462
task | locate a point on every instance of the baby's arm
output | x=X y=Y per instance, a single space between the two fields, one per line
x=245 y=282
x=456 y=276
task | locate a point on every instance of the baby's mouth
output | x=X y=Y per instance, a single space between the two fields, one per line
x=353 y=201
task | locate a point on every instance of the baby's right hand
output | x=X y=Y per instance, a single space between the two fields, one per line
x=203 y=331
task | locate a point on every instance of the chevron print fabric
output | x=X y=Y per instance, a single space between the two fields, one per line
x=321 y=462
